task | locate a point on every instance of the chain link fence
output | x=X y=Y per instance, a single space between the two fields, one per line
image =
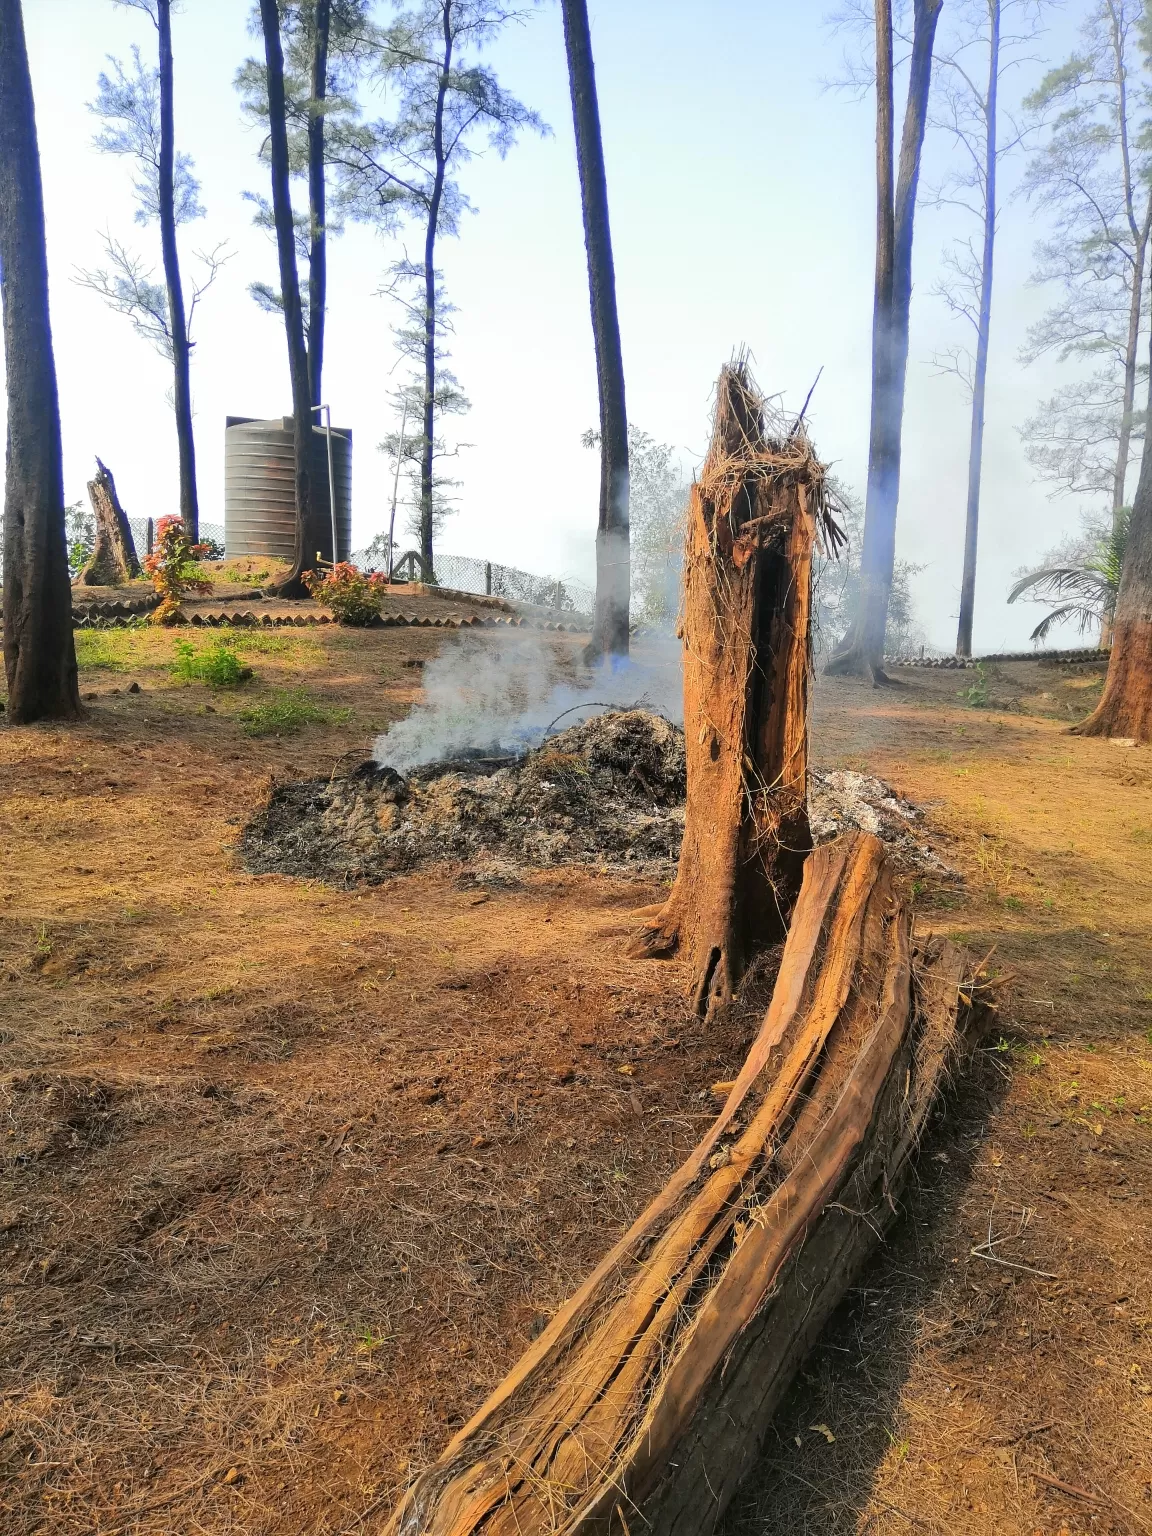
x=144 y=531
x=486 y=578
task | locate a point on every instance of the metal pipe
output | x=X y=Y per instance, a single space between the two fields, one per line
x=396 y=492
x=327 y=409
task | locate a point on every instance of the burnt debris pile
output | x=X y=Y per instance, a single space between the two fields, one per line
x=607 y=793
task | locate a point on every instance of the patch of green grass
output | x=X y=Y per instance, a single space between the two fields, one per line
x=218 y=666
x=286 y=711
x=107 y=650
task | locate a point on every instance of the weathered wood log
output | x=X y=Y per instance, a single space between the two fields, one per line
x=642 y=1403
x=753 y=519
x=113 y=561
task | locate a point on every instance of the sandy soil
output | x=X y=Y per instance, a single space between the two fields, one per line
x=291 y=1174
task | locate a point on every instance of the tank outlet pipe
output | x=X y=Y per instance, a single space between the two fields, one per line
x=327 y=409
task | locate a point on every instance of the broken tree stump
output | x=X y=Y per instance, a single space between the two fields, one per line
x=643 y=1402
x=753 y=519
x=113 y=561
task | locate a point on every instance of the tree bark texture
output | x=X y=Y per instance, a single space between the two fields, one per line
x=613 y=560
x=177 y=316
x=432 y=229
x=983 y=328
x=39 y=653
x=309 y=535
x=644 y=1402
x=113 y=562
x=862 y=649
x=1125 y=707
x=317 y=214
x=752 y=524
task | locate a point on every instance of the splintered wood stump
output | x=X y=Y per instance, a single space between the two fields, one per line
x=113 y=561
x=752 y=522
x=642 y=1404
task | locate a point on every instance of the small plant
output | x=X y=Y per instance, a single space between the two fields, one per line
x=286 y=711
x=976 y=697
x=354 y=596
x=173 y=567
x=219 y=666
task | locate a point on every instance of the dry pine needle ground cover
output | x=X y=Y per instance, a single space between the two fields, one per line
x=291 y=1174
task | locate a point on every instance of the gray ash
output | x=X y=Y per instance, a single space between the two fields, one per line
x=608 y=793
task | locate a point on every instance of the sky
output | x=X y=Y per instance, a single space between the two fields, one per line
x=742 y=207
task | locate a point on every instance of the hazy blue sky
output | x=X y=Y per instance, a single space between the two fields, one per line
x=742 y=210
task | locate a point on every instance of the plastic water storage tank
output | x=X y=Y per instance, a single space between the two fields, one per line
x=260 y=488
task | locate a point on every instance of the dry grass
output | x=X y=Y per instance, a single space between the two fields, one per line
x=962 y=1391
x=290 y=1175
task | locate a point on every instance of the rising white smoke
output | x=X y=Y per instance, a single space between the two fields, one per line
x=504 y=693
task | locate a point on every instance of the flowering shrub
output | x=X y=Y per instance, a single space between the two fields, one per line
x=173 y=568
x=354 y=596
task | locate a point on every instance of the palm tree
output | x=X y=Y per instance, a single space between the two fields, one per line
x=1083 y=583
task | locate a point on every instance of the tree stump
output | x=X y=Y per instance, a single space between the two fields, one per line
x=113 y=561
x=643 y=1402
x=753 y=519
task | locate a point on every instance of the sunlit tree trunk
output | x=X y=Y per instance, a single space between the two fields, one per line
x=610 y=627
x=177 y=318
x=317 y=212
x=1125 y=707
x=862 y=649
x=39 y=653
x=983 y=328
x=309 y=538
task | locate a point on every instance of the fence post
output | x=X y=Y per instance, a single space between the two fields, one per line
x=149 y=535
x=558 y=594
x=487 y=578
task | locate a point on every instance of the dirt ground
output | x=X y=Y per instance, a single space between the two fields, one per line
x=291 y=1174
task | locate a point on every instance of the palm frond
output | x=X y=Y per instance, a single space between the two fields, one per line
x=1080 y=581
x=1085 y=615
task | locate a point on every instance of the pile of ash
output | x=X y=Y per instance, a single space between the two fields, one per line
x=607 y=793
x=841 y=800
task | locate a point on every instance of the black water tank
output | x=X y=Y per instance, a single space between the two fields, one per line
x=260 y=488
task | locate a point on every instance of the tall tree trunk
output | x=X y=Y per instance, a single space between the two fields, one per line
x=317 y=216
x=747 y=612
x=613 y=560
x=39 y=653
x=177 y=318
x=979 y=382
x=310 y=536
x=862 y=649
x=428 y=447
x=1125 y=707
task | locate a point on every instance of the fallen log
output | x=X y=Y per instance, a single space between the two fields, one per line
x=113 y=561
x=753 y=519
x=642 y=1403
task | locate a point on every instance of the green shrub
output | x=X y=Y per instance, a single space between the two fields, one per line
x=976 y=697
x=286 y=711
x=355 y=597
x=219 y=666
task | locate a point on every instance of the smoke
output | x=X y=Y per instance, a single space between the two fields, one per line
x=502 y=695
